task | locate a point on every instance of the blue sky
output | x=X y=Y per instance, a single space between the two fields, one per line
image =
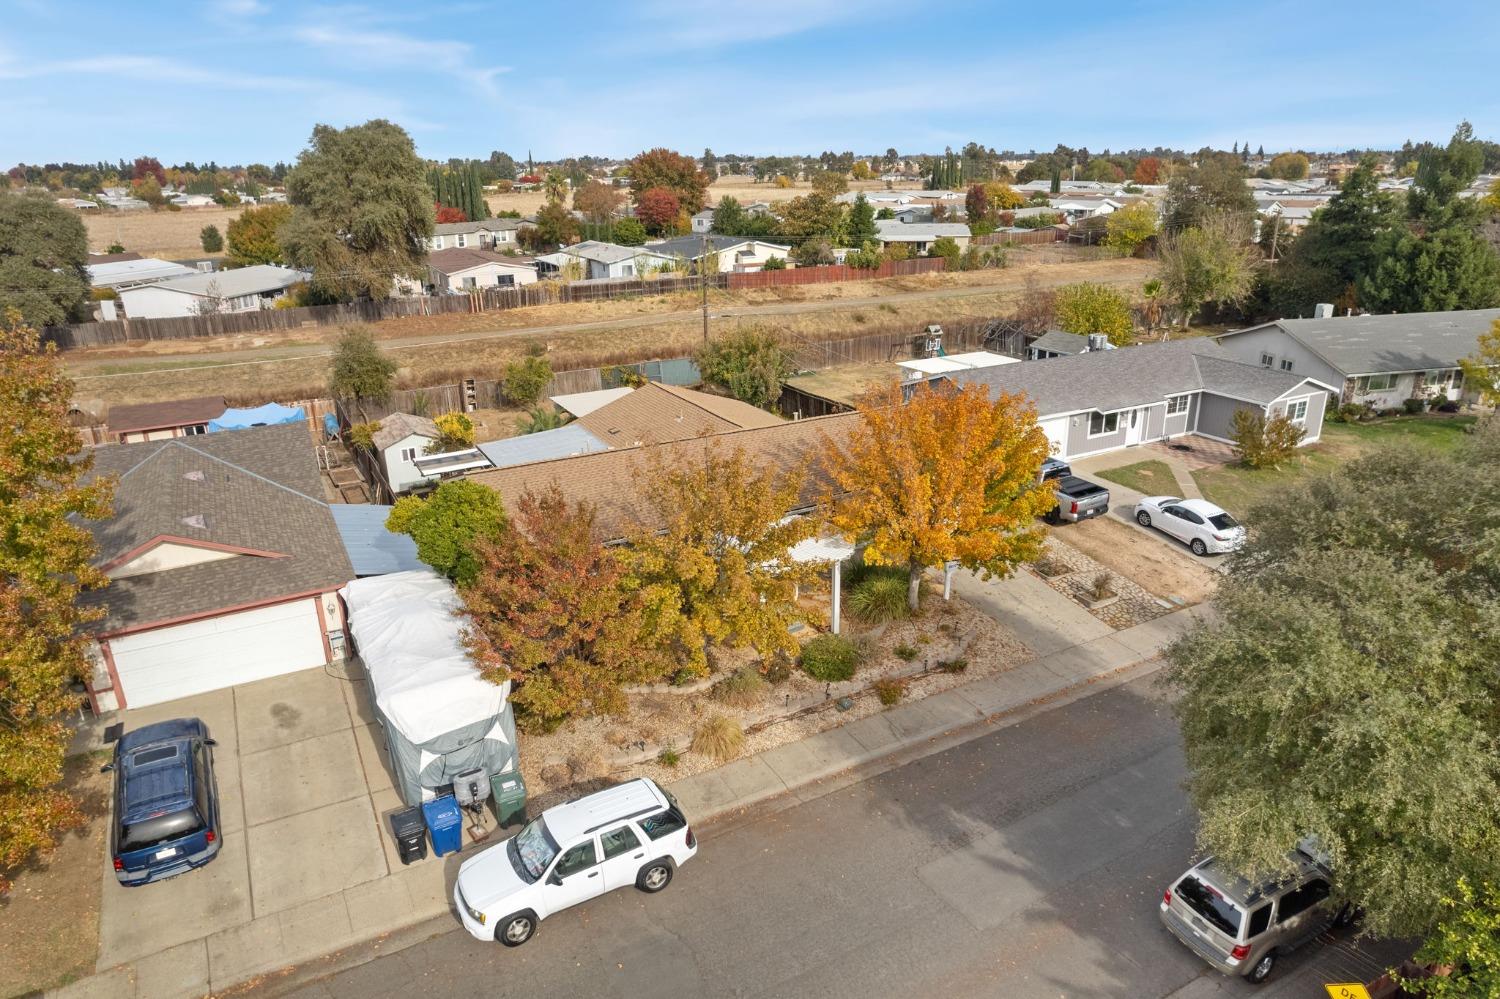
x=240 y=81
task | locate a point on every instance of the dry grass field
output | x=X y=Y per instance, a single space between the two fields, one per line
x=172 y=235
x=743 y=189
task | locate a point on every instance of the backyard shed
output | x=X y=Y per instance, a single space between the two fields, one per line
x=438 y=715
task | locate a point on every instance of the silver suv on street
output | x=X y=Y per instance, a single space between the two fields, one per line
x=1239 y=927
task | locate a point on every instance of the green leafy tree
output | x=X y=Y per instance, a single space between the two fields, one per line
x=712 y=556
x=450 y=525
x=1128 y=229
x=455 y=433
x=1432 y=270
x=361 y=210
x=861 y=228
x=211 y=239
x=360 y=369
x=1210 y=262
x=255 y=236
x=831 y=183
x=525 y=380
x=555 y=226
x=729 y=218
x=679 y=174
x=43 y=248
x=1288 y=166
x=1261 y=442
x=1214 y=189
x=1467 y=942
x=45 y=564
x=1482 y=368
x=774 y=264
x=811 y=216
x=749 y=363
x=1094 y=308
x=947 y=248
x=1354 y=649
x=630 y=232
x=550 y=610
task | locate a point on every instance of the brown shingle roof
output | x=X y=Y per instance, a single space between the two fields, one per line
x=399 y=426
x=655 y=413
x=157 y=415
x=612 y=480
x=460 y=258
x=256 y=489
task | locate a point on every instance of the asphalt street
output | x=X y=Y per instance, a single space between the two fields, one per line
x=1026 y=862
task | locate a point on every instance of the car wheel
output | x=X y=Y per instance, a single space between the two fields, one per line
x=1262 y=968
x=654 y=876
x=516 y=930
x=1198 y=547
x=1143 y=518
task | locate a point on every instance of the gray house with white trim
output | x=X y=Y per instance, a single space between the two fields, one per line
x=1380 y=361
x=1108 y=400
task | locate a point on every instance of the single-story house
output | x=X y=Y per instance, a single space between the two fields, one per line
x=1107 y=400
x=1056 y=343
x=244 y=289
x=185 y=200
x=704 y=220
x=544 y=445
x=224 y=564
x=121 y=274
x=1379 y=361
x=924 y=368
x=920 y=236
x=583 y=403
x=655 y=413
x=731 y=253
x=482 y=234
x=400 y=441
x=1074 y=209
x=155 y=421
x=464 y=270
x=609 y=260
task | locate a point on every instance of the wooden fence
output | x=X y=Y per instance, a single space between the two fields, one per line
x=1035 y=236
x=278 y=320
x=834 y=272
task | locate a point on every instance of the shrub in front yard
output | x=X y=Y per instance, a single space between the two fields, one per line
x=1103 y=587
x=1414 y=406
x=953 y=665
x=830 y=658
x=1263 y=443
x=740 y=689
x=669 y=757
x=890 y=690
x=720 y=736
x=906 y=653
x=878 y=594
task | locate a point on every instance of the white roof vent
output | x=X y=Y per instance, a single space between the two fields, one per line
x=196 y=520
x=194 y=476
x=1323 y=310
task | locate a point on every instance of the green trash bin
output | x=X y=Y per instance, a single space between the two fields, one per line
x=509 y=792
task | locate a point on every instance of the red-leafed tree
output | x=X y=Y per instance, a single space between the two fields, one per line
x=658 y=208
x=1147 y=170
x=677 y=173
x=977 y=204
x=447 y=213
x=148 y=166
x=551 y=611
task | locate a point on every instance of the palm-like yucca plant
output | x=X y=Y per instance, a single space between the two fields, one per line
x=539 y=418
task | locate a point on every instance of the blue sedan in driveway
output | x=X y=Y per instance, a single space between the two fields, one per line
x=166 y=801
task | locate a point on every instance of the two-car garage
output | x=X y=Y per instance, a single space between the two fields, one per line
x=179 y=660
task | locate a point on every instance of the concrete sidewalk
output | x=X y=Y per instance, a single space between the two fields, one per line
x=370 y=911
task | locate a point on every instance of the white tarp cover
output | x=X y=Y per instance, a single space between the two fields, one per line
x=408 y=637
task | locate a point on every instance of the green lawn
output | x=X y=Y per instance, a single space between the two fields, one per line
x=1152 y=478
x=1237 y=488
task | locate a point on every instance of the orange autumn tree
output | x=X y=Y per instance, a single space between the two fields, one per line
x=45 y=557
x=950 y=475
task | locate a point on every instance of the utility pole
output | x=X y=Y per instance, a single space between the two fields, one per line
x=703 y=284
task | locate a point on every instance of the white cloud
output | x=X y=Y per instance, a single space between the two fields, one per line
x=397 y=50
x=709 y=25
x=239 y=8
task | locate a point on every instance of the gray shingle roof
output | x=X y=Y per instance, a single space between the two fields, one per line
x=891 y=229
x=258 y=489
x=1060 y=342
x=1109 y=380
x=481 y=225
x=1418 y=341
x=399 y=426
x=607 y=253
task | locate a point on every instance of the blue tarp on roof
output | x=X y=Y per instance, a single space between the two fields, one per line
x=564 y=442
x=268 y=415
x=372 y=549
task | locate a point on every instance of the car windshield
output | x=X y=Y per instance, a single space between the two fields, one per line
x=1209 y=903
x=1223 y=521
x=532 y=849
x=158 y=829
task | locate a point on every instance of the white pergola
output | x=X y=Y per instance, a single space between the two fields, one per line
x=829 y=550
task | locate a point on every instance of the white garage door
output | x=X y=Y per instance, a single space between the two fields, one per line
x=168 y=663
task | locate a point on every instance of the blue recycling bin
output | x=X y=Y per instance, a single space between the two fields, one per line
x=445 y=824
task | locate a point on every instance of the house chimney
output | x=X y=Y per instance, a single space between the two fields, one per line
x=1098 y=341
x=1323 y=310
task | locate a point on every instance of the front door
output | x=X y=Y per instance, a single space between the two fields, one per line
x=1135 y=426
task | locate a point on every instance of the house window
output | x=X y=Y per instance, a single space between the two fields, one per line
x=1376 y=383
x=461 y=240
x=195 y=430
x=470 y=282
x=1177 y=404
x=1296 y=412
x=408 y=454
x=505 y=281
x=1266 y=360
x=437 y=242
x=1286 y=364
x=1103 y=423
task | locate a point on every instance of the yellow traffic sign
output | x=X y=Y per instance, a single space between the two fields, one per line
x=1347 y=990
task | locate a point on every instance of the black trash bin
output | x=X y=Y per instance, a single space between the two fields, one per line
x=411 y=834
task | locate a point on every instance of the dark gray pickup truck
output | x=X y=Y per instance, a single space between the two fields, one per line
x=1077 y=499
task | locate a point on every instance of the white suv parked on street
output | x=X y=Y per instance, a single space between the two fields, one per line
x=629 y=834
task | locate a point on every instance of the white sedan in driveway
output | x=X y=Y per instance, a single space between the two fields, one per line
x=1202 y=526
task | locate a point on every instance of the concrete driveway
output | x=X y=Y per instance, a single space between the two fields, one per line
x=304 y=788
